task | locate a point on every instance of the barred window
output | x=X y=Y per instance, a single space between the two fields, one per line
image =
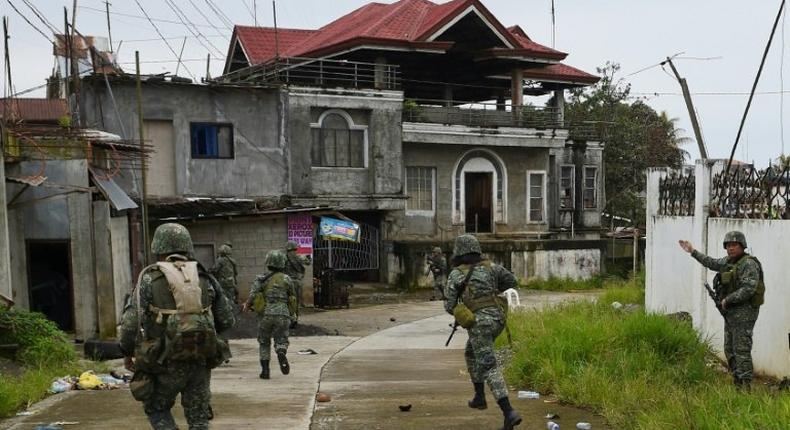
x=420 y=188
x=567 y=187
x=590 y=195
x=338 y=143
x=536 y=199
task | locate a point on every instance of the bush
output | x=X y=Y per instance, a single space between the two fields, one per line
x=639 y=370
x=41 y=342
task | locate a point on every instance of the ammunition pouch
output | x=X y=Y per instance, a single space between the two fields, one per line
x=223 y=354
x=148 y=356
x=259 y=303
x=142 y=386
x=464 y=316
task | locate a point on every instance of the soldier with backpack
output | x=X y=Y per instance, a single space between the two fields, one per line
x=740 y=290
x=473 y=289
x=273 y=298
x=169 y=332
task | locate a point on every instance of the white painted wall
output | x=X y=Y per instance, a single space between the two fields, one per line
x=561 y=263
x=674 y=280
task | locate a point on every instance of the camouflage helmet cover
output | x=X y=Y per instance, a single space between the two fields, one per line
x=171 y=238
x=735 y=236
x=466 y=244
x=225 y=249
x=275 y=259
x=437 y=250
x=291 y=245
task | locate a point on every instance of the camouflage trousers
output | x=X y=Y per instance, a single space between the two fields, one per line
x=439 y=283
x=230 y=290
x=191 y=380
x=273 y=327
x=738 y=346
x=479 y=354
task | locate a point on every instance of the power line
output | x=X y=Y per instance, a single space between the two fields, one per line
x=190 y=60
x=166 y=21
x=29 y=22
x=196 y=32
x=159 y=39
x=200 y=11
x=229 y=21
x=41 y=16
x=782 y=86
x=710 y=93
x=163 y=38
x=227 y=24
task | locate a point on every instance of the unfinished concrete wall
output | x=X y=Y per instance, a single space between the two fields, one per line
x=121 y=267
x=105 y=288
x=445 y=158
x=251 y=238
x=5 y=256
x=82 y=266
x=379 y=111
x=259 y=166
x=580 y=156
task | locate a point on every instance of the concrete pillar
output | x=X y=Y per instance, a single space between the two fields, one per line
x=559 y=104
x=380 y=78
x=702 y=185
x=82 y=266
x=5 y=255
x=517 y=87
x=654 y=176
x=103 y=265
x=121 y=266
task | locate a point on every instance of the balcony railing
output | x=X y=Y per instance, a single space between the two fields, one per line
x=482 y=115
x=318 y=72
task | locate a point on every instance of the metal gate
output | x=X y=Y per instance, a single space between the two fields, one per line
x=346 y=255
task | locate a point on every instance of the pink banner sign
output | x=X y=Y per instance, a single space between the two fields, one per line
x=300 y=230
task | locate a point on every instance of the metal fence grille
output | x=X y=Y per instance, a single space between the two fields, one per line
x=747 y=192
x=676 y=195
x=345 y=255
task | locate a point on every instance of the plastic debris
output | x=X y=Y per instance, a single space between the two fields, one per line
x=583 y=426
x=551 y=416
x=48 y=427
x=405 y=408
x=617 y=305
x=61 y=385
x=89 y=381
x=307 y=352
x=24 y=413
x=551 y=425
x=528 y=395
x=323 y=398
x=392 y=319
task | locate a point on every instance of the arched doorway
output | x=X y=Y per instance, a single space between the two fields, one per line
x=479 y=191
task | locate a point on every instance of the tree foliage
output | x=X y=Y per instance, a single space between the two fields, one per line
x=635 y=136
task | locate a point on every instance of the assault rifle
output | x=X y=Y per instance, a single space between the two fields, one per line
x=715 y=298
x=452 y=333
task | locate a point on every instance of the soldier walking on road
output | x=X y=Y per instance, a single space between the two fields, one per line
x=740 y=289
x=437 y=265
x=294 y=267
x=169 y=332
x=226 y=272
x=472 y=297
x=273 y=298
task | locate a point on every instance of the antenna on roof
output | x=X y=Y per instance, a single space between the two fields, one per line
x=276 y=39
x=553 y=27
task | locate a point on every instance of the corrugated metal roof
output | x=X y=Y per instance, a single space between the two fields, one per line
x=112 y=192
x=34 y=110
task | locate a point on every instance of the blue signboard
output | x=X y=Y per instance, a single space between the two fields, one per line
x=338 y=229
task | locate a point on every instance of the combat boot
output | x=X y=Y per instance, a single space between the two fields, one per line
x=512 y=418
x=284 y=366
x=479 y=401
x=264 y=369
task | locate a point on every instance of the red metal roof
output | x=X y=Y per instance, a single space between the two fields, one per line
x=34 y=110
x=403 y=23
x=561 y=73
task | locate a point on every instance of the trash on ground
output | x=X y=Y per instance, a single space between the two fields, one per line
x=25 y=413
x=48 y=427
x=528 y=395
x=551 y=425
x=88 y=381
x=323 y=398
x=405 y=408
x=583 y=426
x=617 y=305
x=392 y=319
x=65 y=423
x=551 y=401
x=551 y=416
x=307 y=352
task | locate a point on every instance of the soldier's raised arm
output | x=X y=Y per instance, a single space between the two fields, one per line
x=716 y=264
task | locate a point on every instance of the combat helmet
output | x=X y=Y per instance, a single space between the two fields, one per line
x=735 y=236
x=275 y=260
x=291 y=245
x=466 y=244
x=437 y=250
x=171 y=238
x=225 y=249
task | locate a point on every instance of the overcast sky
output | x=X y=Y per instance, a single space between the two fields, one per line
x=636 y=34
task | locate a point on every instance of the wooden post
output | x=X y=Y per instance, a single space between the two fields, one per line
x=636 y=251
x=144 y=193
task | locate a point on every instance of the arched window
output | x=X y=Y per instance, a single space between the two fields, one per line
x=338 y=142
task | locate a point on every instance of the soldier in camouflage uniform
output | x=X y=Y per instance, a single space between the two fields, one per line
x=740 y=288
x=144 y=342
x=226 y=272
x=437 y=265
x=273 y=297
x=479 y=292
x=294 y=267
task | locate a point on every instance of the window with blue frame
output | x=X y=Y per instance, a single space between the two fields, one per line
x=211 y=140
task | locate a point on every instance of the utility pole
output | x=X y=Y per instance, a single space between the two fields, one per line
x=179 y=56
x=10 y=89
x=144 y=192
x=690 y=106
x=109 y=30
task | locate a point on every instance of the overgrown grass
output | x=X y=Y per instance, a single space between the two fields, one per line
x=640 y=371
x=563 y=284
x=44 y=352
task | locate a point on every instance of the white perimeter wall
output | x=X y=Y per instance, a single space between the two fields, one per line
x=674 y=280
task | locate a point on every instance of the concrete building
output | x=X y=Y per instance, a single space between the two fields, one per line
x=67 y=230
x=408 y=118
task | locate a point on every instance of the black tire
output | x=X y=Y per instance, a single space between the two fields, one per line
x=102 y=349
